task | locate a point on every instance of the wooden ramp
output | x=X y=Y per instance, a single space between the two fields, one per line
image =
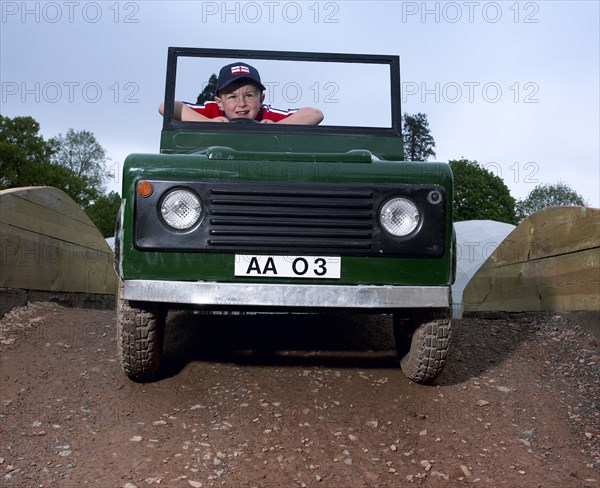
x=49 y=244
x=551 y=261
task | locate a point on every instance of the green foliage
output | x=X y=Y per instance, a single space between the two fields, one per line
x=103 y=212
x=24 y=154
x=73 y=163
x=418 y=141
x=26 y=159
x=209 y=92
x=80 y=152
x=480 y=194
x=548 y=195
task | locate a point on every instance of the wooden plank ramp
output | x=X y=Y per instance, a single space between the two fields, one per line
x=48 y=243
x=550 y=262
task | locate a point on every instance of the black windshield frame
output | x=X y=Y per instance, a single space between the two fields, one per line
x=392 y=61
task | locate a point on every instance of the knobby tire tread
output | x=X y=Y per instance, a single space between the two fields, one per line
x=429 y=343
x=139 y=339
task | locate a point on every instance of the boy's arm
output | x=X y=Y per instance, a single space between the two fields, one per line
x=304 y=116
x=184 y=113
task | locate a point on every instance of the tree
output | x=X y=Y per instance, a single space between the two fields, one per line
x=103 y=212
x=73 y=164
x=480 y=194
x=83 y=155
x=209 y=91
x=547 y=195
x=418 y=141
x=25 y=160
x=24 y=154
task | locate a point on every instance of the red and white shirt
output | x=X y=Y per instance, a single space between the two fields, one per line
x=211 y=110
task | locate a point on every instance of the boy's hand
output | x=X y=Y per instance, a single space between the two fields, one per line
x=219 y=119
x=265 y=121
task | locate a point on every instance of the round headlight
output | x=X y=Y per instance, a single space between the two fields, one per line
x=181 y=209
x=399 y=216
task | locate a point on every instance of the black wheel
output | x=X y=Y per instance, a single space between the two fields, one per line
x=422 y=342
x=140 y=336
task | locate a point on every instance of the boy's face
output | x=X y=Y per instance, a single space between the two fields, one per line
x=240 y=101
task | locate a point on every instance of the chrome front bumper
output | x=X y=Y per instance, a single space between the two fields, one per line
x=285 y=295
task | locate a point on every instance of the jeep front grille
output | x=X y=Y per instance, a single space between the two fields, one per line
x=281 y=219
x=291 y=218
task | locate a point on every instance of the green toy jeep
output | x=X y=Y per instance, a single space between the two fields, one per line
x=287 y=218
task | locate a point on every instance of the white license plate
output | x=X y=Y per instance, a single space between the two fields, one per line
x=288 y=266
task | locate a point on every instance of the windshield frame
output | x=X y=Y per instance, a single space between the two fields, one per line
x=392 y=61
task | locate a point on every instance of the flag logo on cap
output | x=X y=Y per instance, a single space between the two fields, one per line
x=238 y=70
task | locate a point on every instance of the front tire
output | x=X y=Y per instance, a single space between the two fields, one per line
x=422 y=343
x=140 y=337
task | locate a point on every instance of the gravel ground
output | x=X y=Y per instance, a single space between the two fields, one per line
x=297 y=401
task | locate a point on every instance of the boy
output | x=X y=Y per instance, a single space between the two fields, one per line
x=240 y=96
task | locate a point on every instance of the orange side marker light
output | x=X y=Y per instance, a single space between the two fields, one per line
x=144 y=189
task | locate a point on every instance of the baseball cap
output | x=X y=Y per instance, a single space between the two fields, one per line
x=238 y=71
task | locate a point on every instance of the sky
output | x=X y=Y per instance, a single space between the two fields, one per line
x=511 y=84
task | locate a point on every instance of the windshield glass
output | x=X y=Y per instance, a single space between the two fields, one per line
x=352 y=94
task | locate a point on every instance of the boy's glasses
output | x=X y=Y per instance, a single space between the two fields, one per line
x=249 y=97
